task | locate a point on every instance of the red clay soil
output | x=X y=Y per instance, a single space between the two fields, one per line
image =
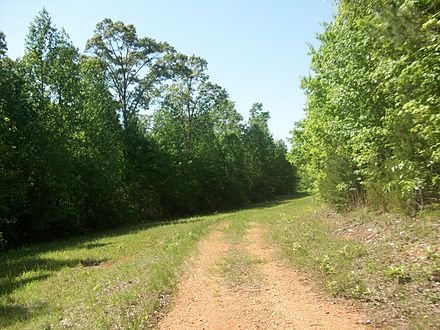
x=281 y=300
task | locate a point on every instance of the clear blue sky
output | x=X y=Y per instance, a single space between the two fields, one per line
x=256 y=49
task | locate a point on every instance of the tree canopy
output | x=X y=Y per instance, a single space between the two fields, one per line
x=372 y=135
x=128 y=131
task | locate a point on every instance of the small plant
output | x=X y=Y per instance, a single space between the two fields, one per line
x=398 y=273
x=432 y=254
x=361 y=291
x=296 y=247
x=332 y=287
x=433 y=297
x=344 y=251
x=325 y=265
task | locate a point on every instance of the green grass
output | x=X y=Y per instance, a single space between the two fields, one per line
x=115 y=278
x=238 y=267
x=239 y=270
x=235 y=230
x=126 y=277
x=307 y=240
x=387 y=262
x=118 y=278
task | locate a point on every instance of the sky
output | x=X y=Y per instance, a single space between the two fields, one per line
x=256 y=49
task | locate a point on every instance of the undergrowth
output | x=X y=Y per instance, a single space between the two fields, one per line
x=388 y=262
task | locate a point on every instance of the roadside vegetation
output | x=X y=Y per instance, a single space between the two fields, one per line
x=388 y=263
x=119 y=278
x=99 y=140
x=369 y=146
x=371 y=133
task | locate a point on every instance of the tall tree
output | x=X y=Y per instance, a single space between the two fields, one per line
x=370 y=133
x=259 y=154
x=51 y=66
x=184 y=128
x=100 y=153
x=134 y=68
x=15 y=128
x=133 y=65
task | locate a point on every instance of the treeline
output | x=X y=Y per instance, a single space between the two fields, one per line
x=128 y=131
x=372 y=131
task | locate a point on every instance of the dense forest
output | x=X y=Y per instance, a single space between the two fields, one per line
x=132 y=130
x=126 y=131
x=372 y=131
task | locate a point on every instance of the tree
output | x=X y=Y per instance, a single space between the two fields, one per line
x=184 y=129
x=15 y=128
x=3 y=46
x=284 y=173
x=133 y=65
x=259 y=148
x=370 y=134
x=80 y=152
x=100 y=153
x=51 y=66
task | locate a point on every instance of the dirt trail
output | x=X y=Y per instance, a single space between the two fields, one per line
x=281 y=300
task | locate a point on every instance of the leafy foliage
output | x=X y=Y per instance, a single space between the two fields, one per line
x=371 y=132
x=129 y=131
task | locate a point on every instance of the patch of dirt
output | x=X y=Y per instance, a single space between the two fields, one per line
x=283 y=299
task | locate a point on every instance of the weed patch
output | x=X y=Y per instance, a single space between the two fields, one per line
x=239 y=270
x=386 y=261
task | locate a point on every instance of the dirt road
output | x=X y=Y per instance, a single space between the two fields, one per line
x=243 y=285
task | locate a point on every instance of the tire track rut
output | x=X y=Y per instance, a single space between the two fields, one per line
x=283 y=299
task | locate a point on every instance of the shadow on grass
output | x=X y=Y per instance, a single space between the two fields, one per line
x=26 y=259
x=14 y=313
x=277 y=201
x=19 y=272
x=13 y=273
